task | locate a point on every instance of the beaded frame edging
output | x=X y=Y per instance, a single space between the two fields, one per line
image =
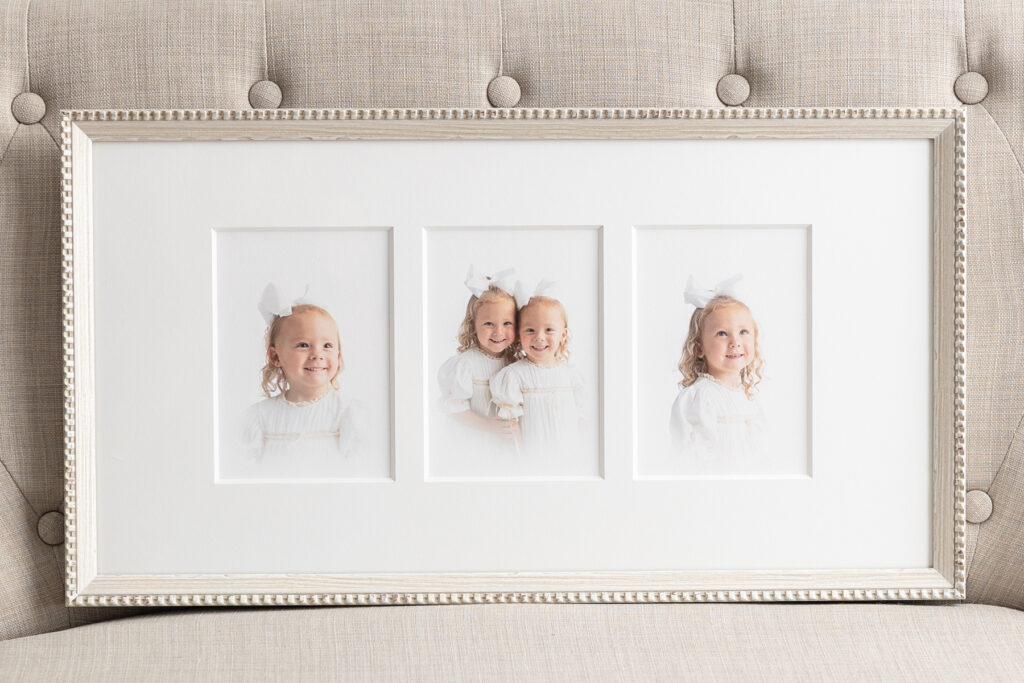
x=957 y=592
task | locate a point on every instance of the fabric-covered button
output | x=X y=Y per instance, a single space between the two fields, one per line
x=504 y=92
x=970 y=87
x=28 y=108
x=265 y=95
x=979 y=506
x=51 y=528
x=733 y=89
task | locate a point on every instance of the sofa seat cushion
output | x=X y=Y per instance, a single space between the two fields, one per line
x=529 y=642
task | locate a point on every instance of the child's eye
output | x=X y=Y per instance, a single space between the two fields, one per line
x=508 y=324
x=488 y=324
x=744 y=332
x=328 y=345
x=303 y=345
x=720 y=333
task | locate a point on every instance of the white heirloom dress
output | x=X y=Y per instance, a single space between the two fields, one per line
x=465 y=381
x=308 y=438
x=718 y=427
x=548 y=402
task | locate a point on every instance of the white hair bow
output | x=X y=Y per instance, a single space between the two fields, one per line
x=478 y=283
x=524 y=293
x=274 y=303
x=700 y=296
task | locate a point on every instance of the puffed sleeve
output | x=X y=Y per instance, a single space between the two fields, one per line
x=252 y=434
x=693 y=421
x=507 y=393
x=456 y=380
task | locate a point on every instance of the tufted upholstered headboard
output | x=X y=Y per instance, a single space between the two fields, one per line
x=481 y=53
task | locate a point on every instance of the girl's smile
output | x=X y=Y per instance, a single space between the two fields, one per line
x=495 y=326
x=727 y=343
x=308 y=351
x=542 y=330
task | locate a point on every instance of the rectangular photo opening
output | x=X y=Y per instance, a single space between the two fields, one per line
x=303 y=362
x=513 y=384
x=723 y=351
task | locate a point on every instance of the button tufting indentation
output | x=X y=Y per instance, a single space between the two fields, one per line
x=979 y=506
x=733 y=89
x=265 y=95
x=51 y=528
x=504 y=92
x=970 y=87
x=28 y=108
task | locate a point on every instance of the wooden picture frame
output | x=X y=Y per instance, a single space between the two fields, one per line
x=103 y=461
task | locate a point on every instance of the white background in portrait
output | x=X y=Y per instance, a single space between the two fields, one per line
x=570 y=257
x=867 y=503
x=347 y=273
x=774 y=264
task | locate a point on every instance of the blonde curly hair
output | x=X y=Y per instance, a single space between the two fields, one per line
x=562 y=352
x=692 y=364
x=272 y=376
x=467 y=330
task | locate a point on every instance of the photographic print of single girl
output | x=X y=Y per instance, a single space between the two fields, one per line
x=717 y=422
x=303 y=363
x=723 y=351
x=305 y=423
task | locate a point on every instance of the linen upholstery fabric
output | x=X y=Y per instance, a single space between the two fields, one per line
x=368 y=53
x=996 y=51
x=656 y=53
x=502 y=642
x=13 y=64
x=444 y=53
x=813 y=54
x=134 y=54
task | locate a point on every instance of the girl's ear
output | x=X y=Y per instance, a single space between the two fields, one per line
x=272 y=356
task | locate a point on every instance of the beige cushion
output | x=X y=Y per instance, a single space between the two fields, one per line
x=538 y=642
x=423 y=53
x=619 y=53
x=798 y=53
x=144 y=55
x=997 y=573
x=655 y=53
x=995 y=50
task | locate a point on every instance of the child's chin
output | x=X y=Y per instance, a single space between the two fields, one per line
x=495 y=351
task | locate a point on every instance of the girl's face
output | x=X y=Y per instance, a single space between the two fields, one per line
x=495 y=326
x=542 y=330
x=727 y=341
x=308 y=351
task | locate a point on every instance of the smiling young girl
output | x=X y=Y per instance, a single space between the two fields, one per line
x=304 y=415
x=486 y=339
x=542 y=390
x=716 y=417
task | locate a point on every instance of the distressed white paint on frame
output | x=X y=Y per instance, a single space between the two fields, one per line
x=929 y=124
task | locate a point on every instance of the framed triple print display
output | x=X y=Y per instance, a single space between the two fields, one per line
x=436 y=356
